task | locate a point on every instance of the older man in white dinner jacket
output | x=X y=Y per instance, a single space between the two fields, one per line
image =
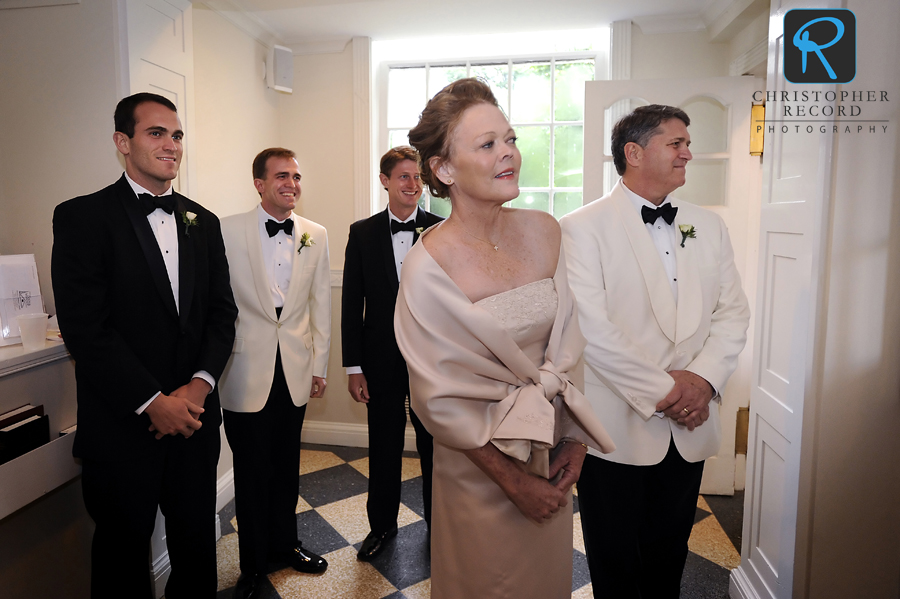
x=282 y=285
x=661 y=305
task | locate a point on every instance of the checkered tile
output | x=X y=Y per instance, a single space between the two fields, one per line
x=331 y=521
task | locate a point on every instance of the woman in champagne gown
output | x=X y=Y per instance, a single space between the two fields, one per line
x=489 y=329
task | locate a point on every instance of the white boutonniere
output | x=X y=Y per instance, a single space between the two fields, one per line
x=687 y=232
x=419 y=230
x=190 y=220
x=305 y=242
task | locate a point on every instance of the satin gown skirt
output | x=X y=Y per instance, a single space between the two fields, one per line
x=482 y=547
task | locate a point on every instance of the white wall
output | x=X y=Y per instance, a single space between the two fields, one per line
x=671 y=55
x=317 y=123
x=57 y=96
x=237 y=116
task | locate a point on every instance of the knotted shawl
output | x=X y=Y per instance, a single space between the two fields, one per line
x=470 y=384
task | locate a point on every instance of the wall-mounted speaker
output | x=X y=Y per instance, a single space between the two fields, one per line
x=280 y=69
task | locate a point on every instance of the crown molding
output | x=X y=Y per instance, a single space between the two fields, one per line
x=726 y=18
x=244 y=20
x=325 y=45
x=744 y=64
x=656 y=24
x=34 y=3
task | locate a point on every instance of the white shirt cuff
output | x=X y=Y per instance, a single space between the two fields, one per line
x=202 y=374
x=354 y=370
x=141 y=409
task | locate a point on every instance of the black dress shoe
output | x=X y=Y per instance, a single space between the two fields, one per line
x=374 y=544
x=249 y=586
x=303 y=560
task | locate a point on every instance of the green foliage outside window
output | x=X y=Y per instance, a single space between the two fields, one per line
x=544 y=100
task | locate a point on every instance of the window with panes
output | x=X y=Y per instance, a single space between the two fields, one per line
x=544 y=101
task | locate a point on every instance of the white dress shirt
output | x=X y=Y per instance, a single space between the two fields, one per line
x=165 y=231
x=402 y=242
x=278 y=256
x=663 y=236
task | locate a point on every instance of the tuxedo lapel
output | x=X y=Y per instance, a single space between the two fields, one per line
x=149 y=245
x=658 y=288
x=383 y=240
x=690 y=302
x=300 y=259
x=257 y=266
x=421 y=223
x=186 y=263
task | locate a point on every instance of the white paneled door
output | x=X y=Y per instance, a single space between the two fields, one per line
x=160 y=59
x=722 y=177
x=792 y=258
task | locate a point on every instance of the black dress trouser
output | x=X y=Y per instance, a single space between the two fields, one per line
x=387 y=433
x=266 y=447
x=636 y=522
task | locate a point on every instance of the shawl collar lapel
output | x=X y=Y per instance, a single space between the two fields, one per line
x=690 y=302
x=186 y=262
x=299 y=261
x=257 y=267
x=383 y=239
x=149 y=246
x=658 y=289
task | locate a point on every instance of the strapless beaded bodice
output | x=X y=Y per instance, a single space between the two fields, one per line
x=527 y=314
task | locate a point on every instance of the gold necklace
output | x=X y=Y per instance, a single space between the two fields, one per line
x=496 y=246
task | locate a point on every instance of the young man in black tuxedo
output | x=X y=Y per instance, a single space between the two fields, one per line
x=378 y=376
x=146 y=310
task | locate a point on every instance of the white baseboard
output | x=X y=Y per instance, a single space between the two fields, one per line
x=739 y=586
x=350 y=435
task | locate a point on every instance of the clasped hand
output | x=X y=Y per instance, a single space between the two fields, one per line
x=179 y=413
x=538 y=498
x=688 y=401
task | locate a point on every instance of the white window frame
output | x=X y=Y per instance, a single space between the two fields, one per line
x=380 y=96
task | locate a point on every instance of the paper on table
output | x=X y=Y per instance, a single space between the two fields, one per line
x=20 y=293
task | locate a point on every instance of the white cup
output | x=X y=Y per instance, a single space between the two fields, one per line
x=33 y=329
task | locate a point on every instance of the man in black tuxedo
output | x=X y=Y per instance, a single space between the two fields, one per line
x=146 y=310
x=378 y=376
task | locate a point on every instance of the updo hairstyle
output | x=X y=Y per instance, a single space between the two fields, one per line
x=431 y=137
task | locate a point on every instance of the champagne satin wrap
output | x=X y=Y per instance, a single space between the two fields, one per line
x=470 y=384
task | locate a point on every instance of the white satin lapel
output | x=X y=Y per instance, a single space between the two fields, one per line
x=257 y=266
x=690 y=300
x=658 y=289
x=299 y=261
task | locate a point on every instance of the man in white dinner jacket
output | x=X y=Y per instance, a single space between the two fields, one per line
x=279 y=263
x=661 y=305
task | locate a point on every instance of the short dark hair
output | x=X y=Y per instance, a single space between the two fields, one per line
x=124 y=115
x=395 y=156
x=259 y=163
x=431 y=137
x=639 y=126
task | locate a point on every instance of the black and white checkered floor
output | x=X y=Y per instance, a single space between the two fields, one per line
x=331 y=521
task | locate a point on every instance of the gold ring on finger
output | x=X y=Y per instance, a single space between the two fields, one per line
x=686 y=411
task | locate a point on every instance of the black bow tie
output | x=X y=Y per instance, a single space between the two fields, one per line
x=150 y=202
x=667 y=211
x=397 y=226
x=273 y=227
